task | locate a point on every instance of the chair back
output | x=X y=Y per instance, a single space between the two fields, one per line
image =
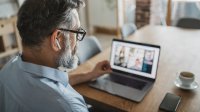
x=88 y=48
x=191 y=23
x=127 y=30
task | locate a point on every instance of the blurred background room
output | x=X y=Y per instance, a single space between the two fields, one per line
x=104 y=20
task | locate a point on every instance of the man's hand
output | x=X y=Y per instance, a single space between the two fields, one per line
x=101 y=68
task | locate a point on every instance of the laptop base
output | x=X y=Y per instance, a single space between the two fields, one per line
x=124 y=91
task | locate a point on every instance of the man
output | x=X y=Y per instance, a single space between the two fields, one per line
x=31 y=82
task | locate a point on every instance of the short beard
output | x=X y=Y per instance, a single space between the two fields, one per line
x=68 y=59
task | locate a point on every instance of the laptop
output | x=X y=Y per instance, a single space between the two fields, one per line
x=134 y=68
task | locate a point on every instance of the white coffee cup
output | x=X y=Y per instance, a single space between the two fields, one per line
x=186 y=78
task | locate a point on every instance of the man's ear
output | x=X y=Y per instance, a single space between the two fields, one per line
x=56 y=40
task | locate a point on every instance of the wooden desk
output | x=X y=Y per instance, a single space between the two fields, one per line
x=180 y=50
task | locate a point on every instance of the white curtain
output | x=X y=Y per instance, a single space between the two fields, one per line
x=189 y=9
x=158 y=12
x=185 y=10
x=130 y=7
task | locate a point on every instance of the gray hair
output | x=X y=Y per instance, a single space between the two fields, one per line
x=37 y=19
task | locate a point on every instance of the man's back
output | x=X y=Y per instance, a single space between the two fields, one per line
x=34 y=88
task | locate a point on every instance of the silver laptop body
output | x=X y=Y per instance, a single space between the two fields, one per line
x=134 y=68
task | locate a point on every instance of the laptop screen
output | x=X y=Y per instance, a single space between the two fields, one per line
x=135 y=58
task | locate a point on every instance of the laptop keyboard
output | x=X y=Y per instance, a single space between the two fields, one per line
x=134 y=83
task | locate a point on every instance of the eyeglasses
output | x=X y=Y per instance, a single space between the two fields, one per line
x=80 y=33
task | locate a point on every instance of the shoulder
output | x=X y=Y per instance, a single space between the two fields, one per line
x=47 y=99
x=9 y=69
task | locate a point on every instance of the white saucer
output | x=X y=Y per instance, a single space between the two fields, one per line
x=178 y=83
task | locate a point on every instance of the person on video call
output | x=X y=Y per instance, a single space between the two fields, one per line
x=32 y=82
x=122 y=57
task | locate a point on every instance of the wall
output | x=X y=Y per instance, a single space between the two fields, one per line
x=8 y=8
x=83 y=17
x=103 y=13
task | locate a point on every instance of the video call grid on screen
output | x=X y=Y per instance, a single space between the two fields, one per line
x=134 y=58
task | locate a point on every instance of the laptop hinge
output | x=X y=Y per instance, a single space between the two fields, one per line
x=129 y=75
